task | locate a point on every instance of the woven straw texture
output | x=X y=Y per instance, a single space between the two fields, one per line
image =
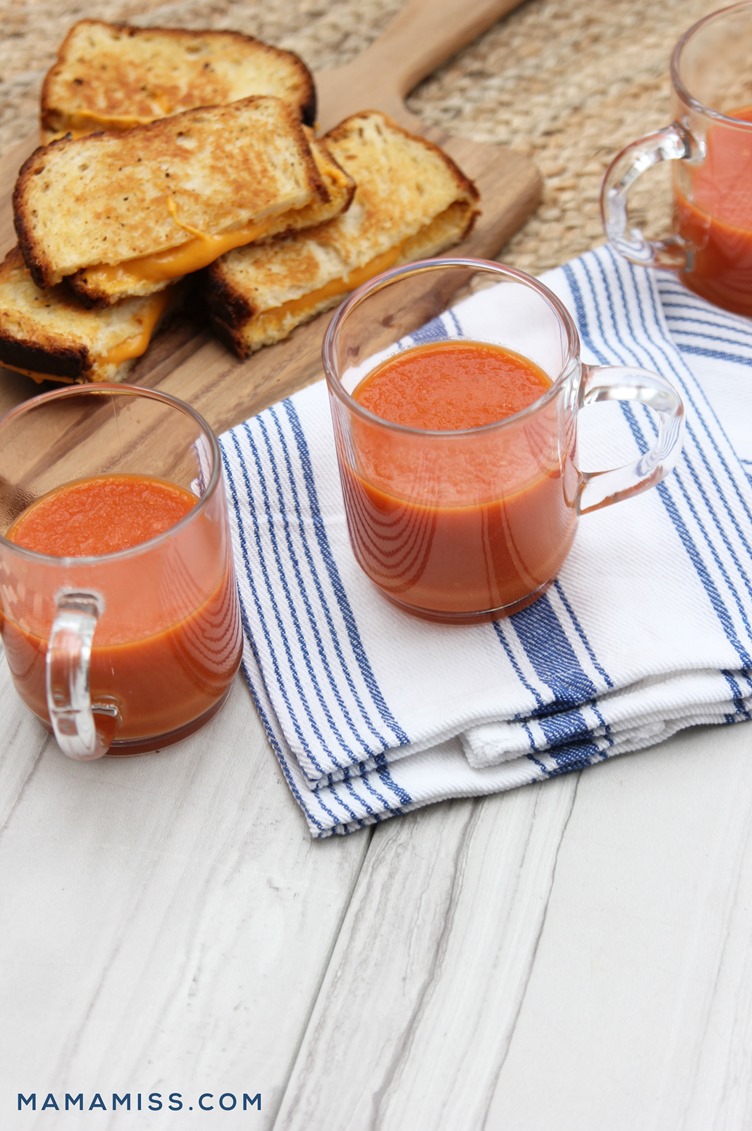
x=567 y=81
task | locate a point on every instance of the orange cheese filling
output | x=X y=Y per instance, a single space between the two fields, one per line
x=137 y=343
x=402 y=252
x=174 y=262
x=83 y=122
x=38 y=377
x=128 y=349
x=336 y=287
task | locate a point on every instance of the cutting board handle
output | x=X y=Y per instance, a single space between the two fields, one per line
x=419 y=38
x=425 y=33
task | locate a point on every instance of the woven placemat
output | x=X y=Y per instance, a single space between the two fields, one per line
x=567 y=81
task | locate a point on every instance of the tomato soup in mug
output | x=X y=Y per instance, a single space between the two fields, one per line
x=166 y=650
x=476 y=519
x=455 y=387
x=713 y=214
x=709 y=145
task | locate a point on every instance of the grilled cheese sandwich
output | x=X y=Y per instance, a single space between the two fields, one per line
x=111 y=76
x=48 y=336
x=411 y=201
x=123 y=215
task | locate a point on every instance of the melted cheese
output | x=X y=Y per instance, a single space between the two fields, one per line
x=336 y=287
x=137 y=343
x=82 y=122
x=126 y=350
x=163 y=266
x=85 y=122
x=38 y=377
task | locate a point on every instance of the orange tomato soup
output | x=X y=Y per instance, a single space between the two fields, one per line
x=713 y=214
x=167 y=643
x=458 y=523
x=100 y=515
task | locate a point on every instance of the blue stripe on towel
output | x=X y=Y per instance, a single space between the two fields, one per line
x=694 y=322
x=260 y=616
x=555 y=663
x=558 y=587
x=498 y=628
x=335 y=580
x=282 y=560
x=549 y=650
x=592 y=332
x=318 y=598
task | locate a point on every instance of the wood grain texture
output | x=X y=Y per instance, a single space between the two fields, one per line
x=434 y=882
x=175 y=915
x=560 y=958
x=187 y=361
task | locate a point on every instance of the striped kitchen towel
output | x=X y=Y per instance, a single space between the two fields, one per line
x=648 y=629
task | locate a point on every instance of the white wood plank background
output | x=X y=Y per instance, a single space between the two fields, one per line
x=575 y=955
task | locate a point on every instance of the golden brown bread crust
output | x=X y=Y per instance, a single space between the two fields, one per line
x=411 y=201
x=106 y=198
x=63 y=363
x=342 y=138
x=48 y=334
x=334 y=192
x=110 y=75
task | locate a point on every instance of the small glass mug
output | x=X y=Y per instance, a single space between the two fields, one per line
x=130 y=651
x=710 y=145
x=471 y=525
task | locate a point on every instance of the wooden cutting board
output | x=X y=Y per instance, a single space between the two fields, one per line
x=186 y=360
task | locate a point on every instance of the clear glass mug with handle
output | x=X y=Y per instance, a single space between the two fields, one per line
x=709 y=143
x=128 y=651
x=464 y=524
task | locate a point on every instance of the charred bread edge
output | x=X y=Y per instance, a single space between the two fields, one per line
x=70 y=362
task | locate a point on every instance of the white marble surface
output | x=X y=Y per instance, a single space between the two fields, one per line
x=570 y=956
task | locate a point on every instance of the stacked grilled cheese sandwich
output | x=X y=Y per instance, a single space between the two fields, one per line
x=112 y=76
x=411 y=201
x=271 y=222
x=125 y=214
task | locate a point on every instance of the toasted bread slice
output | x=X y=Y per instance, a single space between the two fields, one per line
x=102 y=285
x=121 y=215
x=411 y=201
x=50 y=337
x=111 y=76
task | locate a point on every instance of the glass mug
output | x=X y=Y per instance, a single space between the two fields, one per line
x=710 y=145
x=128 y=651
x=472 y=524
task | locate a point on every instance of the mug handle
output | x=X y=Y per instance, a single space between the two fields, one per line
x=78 y=733
x=626 y=383
x=673 y=143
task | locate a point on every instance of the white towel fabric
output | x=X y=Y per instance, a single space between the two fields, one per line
x=648 y=629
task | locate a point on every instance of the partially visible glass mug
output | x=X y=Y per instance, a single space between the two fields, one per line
x=459 y=523
x=710 y=145
x=124 y=651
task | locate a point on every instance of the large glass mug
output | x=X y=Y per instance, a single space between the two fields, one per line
x=469 y=525
x=710 y=145
x=129 y=651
